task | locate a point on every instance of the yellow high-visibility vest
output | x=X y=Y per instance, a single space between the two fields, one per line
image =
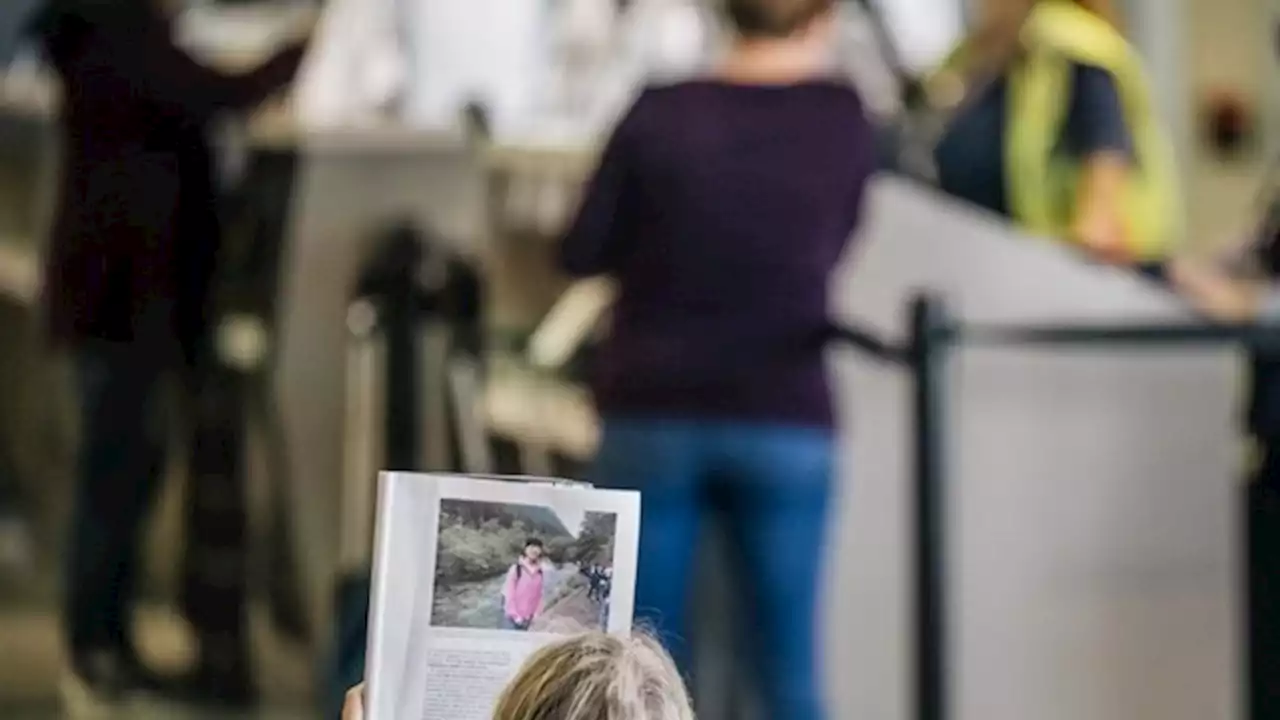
x=1041 y=182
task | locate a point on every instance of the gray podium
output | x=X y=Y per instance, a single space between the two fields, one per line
x=345 y=192
x=1091 y=494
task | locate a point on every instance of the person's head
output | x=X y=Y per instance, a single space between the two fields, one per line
x=596 y=676
x=1105 y=9
x=532 y=549
x=1007 y=15
x=997 y=34
x=778 y=19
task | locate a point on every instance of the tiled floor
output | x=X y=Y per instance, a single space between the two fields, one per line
x=30 y=666
x=34 y=433
x=50 y=711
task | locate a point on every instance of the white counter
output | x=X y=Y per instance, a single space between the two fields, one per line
x=37 y=98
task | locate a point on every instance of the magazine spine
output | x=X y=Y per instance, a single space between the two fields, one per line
x=378 y=590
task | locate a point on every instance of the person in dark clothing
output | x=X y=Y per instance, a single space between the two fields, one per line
x=971 y=154
x=130 y=263
x=1244 y=286
x=1053 y=129
x=598 y=581
x=721 y=206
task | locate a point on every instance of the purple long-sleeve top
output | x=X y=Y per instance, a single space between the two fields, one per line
x=721 y=210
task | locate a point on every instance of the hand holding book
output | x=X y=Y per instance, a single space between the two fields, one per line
x=353 y=709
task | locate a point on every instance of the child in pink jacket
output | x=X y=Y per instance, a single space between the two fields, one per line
x=522 y=592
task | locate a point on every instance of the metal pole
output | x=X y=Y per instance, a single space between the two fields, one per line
x=401 y=317
x=1252 y=574
x=929 y=352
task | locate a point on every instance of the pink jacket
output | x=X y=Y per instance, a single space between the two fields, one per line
x=522 y=592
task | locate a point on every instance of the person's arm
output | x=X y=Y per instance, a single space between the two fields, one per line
x=1240 y=255
x=1099 y=224
x=1222 y=297
x=597 y=237
x=1225 y=285
x=1098 y=135
x=159 y=71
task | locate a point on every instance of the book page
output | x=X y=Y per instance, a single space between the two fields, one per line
x=472 y=575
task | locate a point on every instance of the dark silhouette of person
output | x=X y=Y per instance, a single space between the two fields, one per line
x=599 y=579
x=134 y=243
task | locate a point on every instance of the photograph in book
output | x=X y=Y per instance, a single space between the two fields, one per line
x=471 y=575
x=522 y=568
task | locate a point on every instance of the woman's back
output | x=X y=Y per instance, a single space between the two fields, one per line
x=722 y=209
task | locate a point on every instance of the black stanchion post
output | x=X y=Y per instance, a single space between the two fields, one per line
x=930 y=348
x=229 y=380
x=394 y=282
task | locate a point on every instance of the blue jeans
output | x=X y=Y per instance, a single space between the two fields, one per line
x=774 y=483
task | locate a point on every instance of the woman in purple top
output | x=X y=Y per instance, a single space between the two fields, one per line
x=721 y=206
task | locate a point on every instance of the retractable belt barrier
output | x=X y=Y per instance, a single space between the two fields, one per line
x=934 y=333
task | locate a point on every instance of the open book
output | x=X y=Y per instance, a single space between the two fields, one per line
x=473 y=574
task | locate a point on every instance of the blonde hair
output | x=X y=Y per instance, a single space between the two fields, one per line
x=596 y=676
